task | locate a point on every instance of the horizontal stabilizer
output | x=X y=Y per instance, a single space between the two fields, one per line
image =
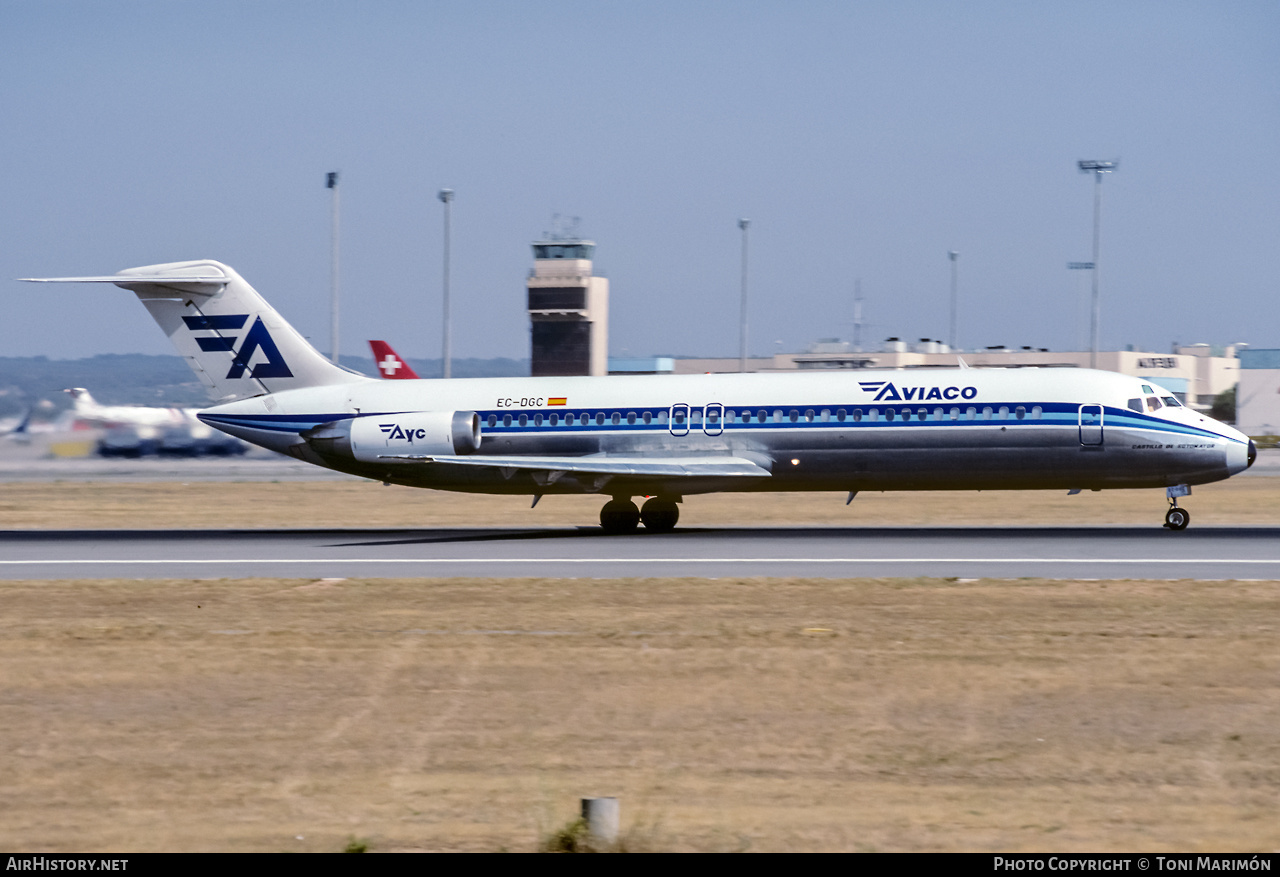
x=661 y=467
x=198 y=284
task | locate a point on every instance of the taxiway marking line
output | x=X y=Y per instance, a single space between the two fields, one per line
x=527 y=560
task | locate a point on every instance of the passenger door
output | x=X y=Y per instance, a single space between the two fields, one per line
x=1091 y=425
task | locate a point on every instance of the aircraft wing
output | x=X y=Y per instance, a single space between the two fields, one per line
x=660 y=467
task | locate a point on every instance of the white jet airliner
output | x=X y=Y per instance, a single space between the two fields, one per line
x=667 y=437
x=88 y=410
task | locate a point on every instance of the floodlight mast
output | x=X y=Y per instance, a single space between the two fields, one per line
x=446 y=346
x=743 y=224
x=954 y=257
x=1097 y=168
x=331 y=182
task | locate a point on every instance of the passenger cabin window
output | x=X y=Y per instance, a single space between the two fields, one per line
x=986 y=413
x=599 y=418
x=524 y=420
x=1004 y=412
x=873 y=414
x=922 y=413
x=1135 y=405
x=937 y=414
x=648 y=417
x=955 y=413
x=1035 y=412
x=555 y=419
x=777 y=415
x=808 y=415
x=825 y=415
x=631 y=417
x=793 y=415
x=678 y=418
x=1020 y=412
x=662 y=418
x=890 y=413
x=840 y=415
x=1153 y=404
x=713 y=416
x=493 y=420
x=537 y=420
x=970 y=413
x=616 y=418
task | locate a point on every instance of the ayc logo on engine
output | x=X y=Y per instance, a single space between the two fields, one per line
x=886 y=392
x=258 y=340
x=394 y=432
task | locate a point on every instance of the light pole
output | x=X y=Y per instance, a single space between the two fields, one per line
x=743 y=224
x=331 y=182
x=954 y=257
x=446 y=352
x=1097 y=168
x=1079 y=266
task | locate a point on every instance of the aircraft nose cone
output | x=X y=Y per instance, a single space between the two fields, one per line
x=1253 y=452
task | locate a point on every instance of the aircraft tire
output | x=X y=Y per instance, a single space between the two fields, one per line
x=619 y=516
x=1177 y=519
x=659 y=515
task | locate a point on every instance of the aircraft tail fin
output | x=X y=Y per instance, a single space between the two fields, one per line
x=22 y=431
x=84 y=403
x=236 y=343
x=390 y=364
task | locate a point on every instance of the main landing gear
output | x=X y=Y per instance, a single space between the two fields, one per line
x=620 y=515
x=1177 y=518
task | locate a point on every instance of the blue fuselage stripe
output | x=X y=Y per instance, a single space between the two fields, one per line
x=892 y=415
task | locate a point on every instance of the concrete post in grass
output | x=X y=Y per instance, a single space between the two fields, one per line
x=601 y=816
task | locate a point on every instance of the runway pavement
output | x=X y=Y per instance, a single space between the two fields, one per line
x=1054 y=552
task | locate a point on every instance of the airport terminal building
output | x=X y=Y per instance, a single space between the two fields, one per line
x=1195 y=373
x=1258 y=395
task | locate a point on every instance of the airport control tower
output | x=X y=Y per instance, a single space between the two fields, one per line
x=568 y=310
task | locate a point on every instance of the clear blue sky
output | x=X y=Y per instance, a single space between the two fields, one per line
x=864 y=140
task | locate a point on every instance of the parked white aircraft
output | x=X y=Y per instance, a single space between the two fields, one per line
x=666 y=437
x=88 y=410
x=19 y=431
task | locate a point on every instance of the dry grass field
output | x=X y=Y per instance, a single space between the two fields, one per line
x=726 y=714
x=77 y=505
x=754 y=714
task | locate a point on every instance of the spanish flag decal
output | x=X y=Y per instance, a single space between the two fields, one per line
x=557 y=400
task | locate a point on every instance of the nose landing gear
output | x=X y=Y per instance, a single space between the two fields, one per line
x=1176 y=518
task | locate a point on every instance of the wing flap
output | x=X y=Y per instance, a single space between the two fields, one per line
x=661 y=467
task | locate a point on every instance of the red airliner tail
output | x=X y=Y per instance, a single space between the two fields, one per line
x=390 y=364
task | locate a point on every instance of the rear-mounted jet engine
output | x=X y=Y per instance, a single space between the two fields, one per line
x=373 y=438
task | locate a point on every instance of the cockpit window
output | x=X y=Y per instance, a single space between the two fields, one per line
x=1146 y=388
x=1172 y=402
x=1135 y=405
x=1153 y=404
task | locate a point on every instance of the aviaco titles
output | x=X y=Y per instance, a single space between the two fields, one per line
x=666 y=437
